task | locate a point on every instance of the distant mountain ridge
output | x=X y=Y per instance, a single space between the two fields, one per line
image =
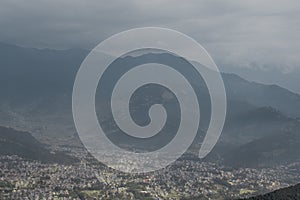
x=34 y=73
x=36 y=87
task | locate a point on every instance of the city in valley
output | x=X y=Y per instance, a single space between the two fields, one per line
x=184 y=179
x=149 y=100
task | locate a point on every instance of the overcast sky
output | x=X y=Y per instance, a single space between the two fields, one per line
x=247 y=33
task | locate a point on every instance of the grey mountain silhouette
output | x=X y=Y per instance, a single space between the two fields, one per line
x=36 y=88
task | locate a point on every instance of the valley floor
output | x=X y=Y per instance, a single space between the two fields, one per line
x=185 y=179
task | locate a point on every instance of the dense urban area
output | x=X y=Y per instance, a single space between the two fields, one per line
x=185 y=179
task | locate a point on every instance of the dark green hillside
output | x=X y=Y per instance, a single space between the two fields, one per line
x=289 y=193
x=23 y=144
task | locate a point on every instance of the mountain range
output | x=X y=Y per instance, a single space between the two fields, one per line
x=261 y=128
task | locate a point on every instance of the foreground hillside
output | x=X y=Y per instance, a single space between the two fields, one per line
x=289 y=193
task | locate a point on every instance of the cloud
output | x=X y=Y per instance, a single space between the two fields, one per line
x=246 y=33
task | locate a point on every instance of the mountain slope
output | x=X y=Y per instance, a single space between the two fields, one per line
x=254 y=123
x=19 y=143
x=289 y=193
x=36 y=87
x=267 y=151
x=32 y=74
x=261 y=137
x=261 y=95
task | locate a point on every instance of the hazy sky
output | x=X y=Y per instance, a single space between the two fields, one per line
x=264 y=33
